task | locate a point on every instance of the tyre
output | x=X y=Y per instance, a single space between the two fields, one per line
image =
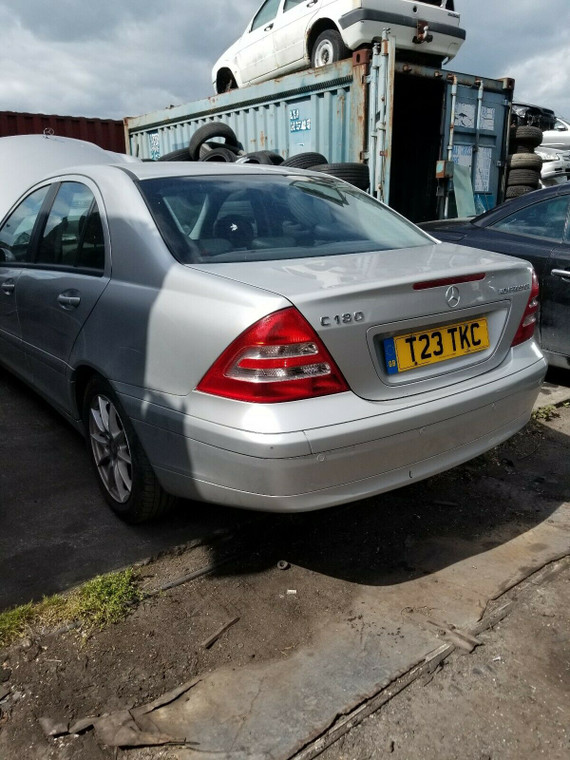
x=530 y=136
x=517 y=149
x=328 y=48
x=206 y=147
x=176 y=155
x=356 y=174
x=226 y=155
x=123 y=471
x=525 y=161
x=305 y=160
x=530 y=177
x=262 y=157
x=517 y=190
x=209 y=131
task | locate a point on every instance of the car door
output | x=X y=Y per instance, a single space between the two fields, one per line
x=537 y=232
x=256 y=56
x=16 y=234
x=290 y=31
x=56 y=293
x=556 y=310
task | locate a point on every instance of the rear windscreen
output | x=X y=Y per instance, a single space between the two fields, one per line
x=265 y=217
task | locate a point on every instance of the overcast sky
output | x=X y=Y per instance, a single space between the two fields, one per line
x=113 y=58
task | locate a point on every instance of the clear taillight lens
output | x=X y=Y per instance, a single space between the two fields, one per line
x=528 y=322
x=279 y=358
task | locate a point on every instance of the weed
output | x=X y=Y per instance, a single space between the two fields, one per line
x=100 y=602
x=106 y=599
x=545 y=413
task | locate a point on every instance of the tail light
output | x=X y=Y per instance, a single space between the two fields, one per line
x=526 y=328
x=279 y=358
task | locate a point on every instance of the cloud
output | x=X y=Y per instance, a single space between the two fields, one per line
x=525 y=40
x=112 y=58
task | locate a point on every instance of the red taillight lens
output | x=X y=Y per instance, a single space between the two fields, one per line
x=279 y=358
x=528 y=322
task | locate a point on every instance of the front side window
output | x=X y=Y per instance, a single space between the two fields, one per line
x=267 y=217
x=16 y=232
x=73 y=235
x=545 y=220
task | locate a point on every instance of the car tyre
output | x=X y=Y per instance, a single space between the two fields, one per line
x=226 y=155
x=267 y=157
x=305 y=160
x=206 y=147
x=123 y=471
x=530 y=177
x=525 y=161
x=328 y=48
x=515 y=191
x=208 y=132
x=353 y=173
x=176 y=155
x=529 y=136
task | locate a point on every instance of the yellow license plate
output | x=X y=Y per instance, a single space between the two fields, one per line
x=417 y=349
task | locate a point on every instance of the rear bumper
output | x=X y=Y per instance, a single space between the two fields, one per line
x=322 y=466
x=362 y=25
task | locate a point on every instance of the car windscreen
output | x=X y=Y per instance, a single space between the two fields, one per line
x=265 y=217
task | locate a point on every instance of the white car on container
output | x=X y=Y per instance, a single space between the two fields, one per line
x=288 y=35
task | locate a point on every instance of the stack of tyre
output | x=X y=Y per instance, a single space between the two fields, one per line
x=524 y=164
x=216 y=141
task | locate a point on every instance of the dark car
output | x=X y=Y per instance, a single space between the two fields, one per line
x=525 y=114
x=535 y=227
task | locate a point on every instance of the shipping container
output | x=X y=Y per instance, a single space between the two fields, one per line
x=106 y=133
x=435 y=141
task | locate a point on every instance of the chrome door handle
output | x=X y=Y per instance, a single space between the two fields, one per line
x=268 y=28
x=68 y=301
x=313 y=2
x=564 y=273
x=8 y=287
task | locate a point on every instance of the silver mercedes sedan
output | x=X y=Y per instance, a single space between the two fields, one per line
x=256 y=336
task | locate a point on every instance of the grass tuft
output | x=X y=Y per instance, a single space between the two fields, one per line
x=100 y=602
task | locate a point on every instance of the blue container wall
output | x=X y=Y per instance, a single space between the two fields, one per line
x=320 y=110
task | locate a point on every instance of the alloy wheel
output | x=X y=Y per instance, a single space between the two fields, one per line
x=110 y=447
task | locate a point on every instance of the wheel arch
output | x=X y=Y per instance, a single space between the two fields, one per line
x=223 y=74
x=81 y=379
x=321 y=25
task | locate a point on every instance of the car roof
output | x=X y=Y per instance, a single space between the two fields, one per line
x=152 y=169
x=27 y=159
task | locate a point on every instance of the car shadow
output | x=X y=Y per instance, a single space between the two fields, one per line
x=58 y=532
x=56 y=529
x=416 y=530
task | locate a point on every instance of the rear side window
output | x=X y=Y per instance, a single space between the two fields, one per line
x=545 y=220
x=73 y=234
x=16 y=232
